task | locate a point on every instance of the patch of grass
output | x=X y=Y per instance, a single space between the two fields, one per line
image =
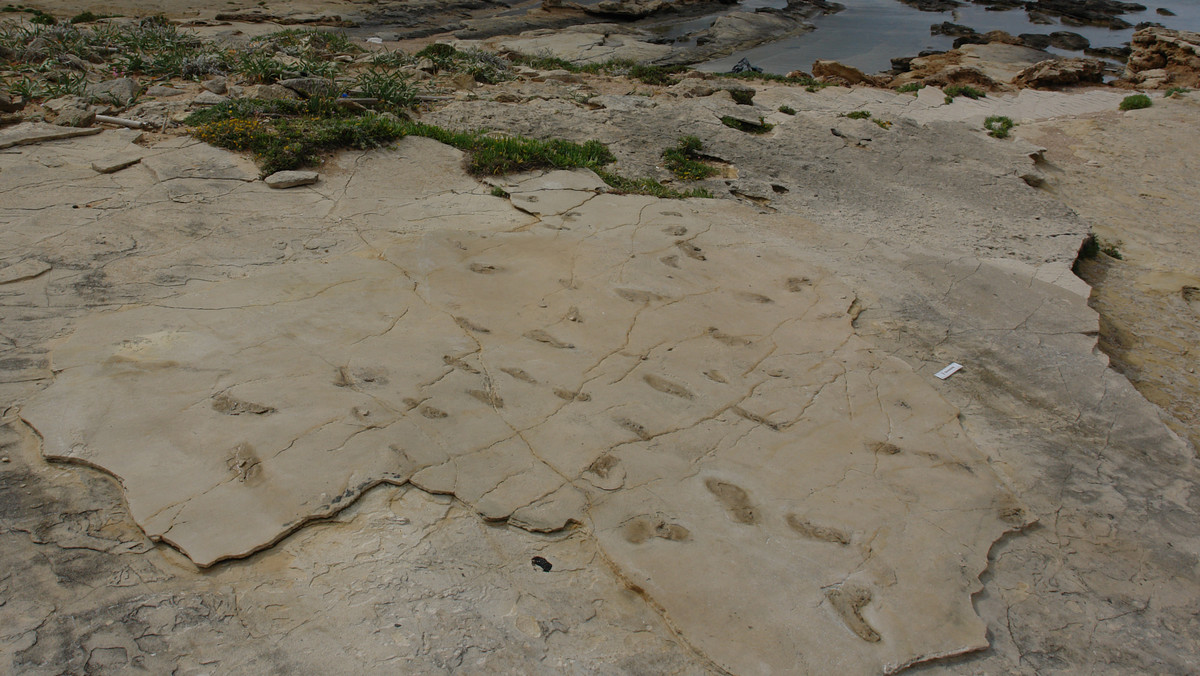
x=740 y=125
x=1136 y=102
x=497 y=155
x=497 y=191
x=742 y=97
x=954 y=91
x=88 y=16
x=684 y=160
x=882 y=124
x=483 y=66
x=41 y=18
x=27 y=88
x=259 y=68
x=648 y=186
x=661 y=75
x=390 y=59
x=859 y=115
x=910 y=88
x=288 y=134
x=307 y=43
x=998 y=126
x=151 y=46
x=391 y=87
x=787 y=110
x=293 y=142
x=1172 y=91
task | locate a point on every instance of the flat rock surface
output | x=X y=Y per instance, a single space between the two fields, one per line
x=291 y=179
x=27 y=133
x=612 y=362
x=572 y=430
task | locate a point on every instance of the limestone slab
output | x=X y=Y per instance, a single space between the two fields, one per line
x=39 y=132
x=660 y=372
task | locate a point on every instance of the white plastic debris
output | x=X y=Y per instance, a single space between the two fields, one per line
x=950 y=370
x=375 y=41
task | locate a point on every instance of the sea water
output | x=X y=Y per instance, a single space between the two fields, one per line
x=868 y=33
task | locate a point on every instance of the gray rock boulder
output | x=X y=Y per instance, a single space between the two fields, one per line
x=207 y=98
x=827 y=70
x=122 y=91
x=291 y=179
x=216 y=85
x=1061 y=73
x=268 y=92
x=8 y=105
x=308 y=87
x=75 y=116
x=160 y=91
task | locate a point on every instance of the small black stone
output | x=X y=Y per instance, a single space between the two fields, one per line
x=542 y=563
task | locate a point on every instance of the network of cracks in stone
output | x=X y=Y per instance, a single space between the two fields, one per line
x=689 y=390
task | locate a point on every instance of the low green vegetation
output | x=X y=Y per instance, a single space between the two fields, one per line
x=280 y=139
x=998 y=126
x=648 y=186
x=89 y=16
x=497 y=191
x=288 y=134
x=954 y=91
x=859 y=115
x=910 y=88
x=390 y=86
x=1172 y=91
x=684 y=160
x=42 y=18
x=1136 y=102
x=742 y=97
x=882 y=124
x=787 y=110
x=483 y=66
x=495 y=155
x=155 y=47
x=761 y=127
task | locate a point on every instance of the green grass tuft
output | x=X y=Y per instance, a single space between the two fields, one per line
x=391 y=87
x=787 y=110
x=859 y=115
x=760 y=128
x=998 y=126
x=954 y=91
x=684 y=160
x=1136 y=102
x=911 y=87
x=648 y=186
